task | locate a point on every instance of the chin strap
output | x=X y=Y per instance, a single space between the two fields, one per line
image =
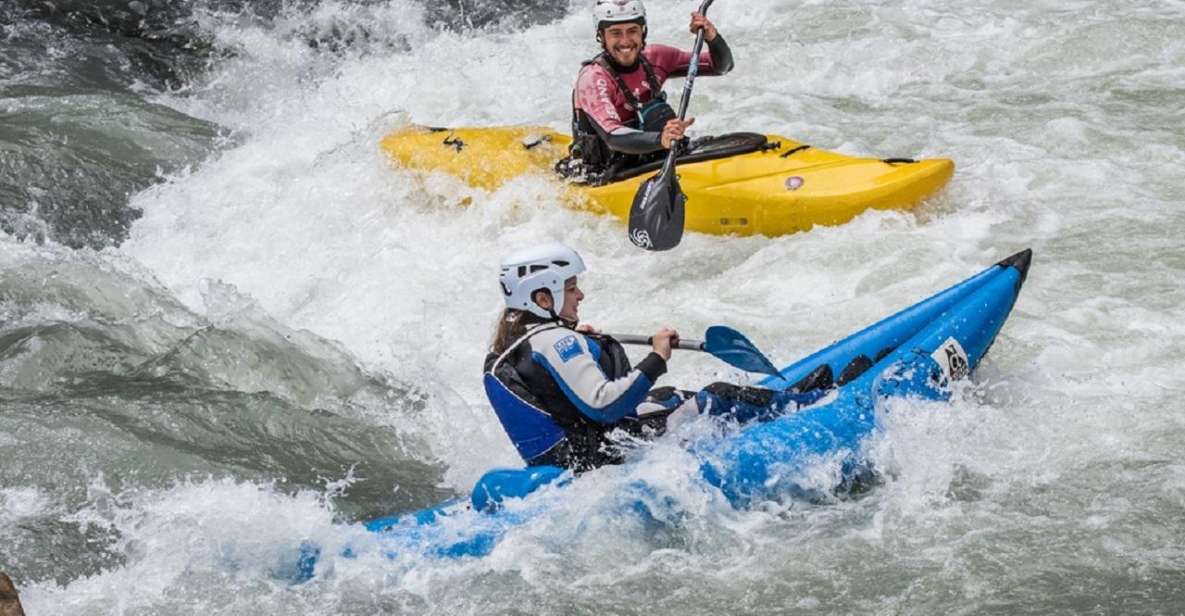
x=561 y=320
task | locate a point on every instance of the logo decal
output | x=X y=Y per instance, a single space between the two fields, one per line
x=952 y=359
x=610 y=109
x=641 y=238
x=567 y=348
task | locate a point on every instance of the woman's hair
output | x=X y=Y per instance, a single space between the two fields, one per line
x=511 y=326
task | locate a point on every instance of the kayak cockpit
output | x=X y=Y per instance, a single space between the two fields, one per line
x=697 y=150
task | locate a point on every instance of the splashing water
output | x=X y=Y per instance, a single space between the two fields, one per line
x=288 y=340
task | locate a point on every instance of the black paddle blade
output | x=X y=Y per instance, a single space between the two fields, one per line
x=656 y=216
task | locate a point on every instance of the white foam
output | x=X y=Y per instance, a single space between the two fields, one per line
x=1062 y=144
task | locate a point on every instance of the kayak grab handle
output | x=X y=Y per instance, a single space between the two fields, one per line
x=796 y=150
x=454 y=142
x=531 y=143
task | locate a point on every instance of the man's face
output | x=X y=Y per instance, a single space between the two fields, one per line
x=623 y=42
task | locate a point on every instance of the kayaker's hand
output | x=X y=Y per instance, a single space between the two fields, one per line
x=699 y=21
x=663 y=341
x=674 y=130
x=585 y=328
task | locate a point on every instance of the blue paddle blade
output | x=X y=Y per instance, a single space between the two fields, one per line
x=735 y=349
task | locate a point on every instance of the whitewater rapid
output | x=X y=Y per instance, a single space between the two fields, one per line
x=317 y=305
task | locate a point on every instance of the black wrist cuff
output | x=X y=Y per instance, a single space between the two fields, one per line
x=653 y=366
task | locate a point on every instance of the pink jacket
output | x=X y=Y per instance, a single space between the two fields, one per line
x=598 y=95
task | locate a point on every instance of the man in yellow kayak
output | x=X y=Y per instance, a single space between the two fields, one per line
x=620 y=117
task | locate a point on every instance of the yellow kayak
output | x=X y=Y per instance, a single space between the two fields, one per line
x=740 y=184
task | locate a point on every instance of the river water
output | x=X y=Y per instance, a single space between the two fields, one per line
x=228 y=324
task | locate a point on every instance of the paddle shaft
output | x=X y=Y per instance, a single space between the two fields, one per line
x=693 y=67
x=724 y=343
x=686 y=345
x=668 y=167
x=658 y=212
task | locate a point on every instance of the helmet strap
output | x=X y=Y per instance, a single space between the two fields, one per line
x=561 y=320
x=551 y=311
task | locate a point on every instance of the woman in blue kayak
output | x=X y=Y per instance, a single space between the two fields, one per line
x=562 y=389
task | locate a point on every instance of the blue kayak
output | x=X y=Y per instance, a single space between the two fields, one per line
x=915 y=353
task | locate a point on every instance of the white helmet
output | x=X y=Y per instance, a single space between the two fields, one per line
x=617 y=11
x=542 y=267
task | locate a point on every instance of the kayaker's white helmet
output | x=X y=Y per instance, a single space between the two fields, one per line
x=542 y=267
x=609 y=12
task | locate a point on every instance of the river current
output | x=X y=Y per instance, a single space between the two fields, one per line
x=229 y=324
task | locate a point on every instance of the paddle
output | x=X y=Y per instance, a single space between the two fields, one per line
x=656 y=216
x=724 y=343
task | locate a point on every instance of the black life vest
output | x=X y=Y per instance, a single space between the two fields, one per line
x=586 y=443
x=593 y=154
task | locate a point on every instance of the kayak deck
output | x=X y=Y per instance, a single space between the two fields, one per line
x=784 y=187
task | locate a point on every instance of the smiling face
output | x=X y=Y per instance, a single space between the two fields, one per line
x=623 y=42
x=572 y=297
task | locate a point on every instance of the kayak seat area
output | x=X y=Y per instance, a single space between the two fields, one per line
x=698 y=150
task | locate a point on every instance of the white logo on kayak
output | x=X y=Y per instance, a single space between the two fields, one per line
x=952 y=359
x=641 y=238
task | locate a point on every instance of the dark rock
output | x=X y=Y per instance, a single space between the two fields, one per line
x=10 y=603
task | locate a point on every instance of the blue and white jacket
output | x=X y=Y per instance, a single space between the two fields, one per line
x=577 y=389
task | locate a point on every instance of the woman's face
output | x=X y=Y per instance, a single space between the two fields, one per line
x=572 y=297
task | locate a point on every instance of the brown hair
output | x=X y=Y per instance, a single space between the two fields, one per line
x=511 y=326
